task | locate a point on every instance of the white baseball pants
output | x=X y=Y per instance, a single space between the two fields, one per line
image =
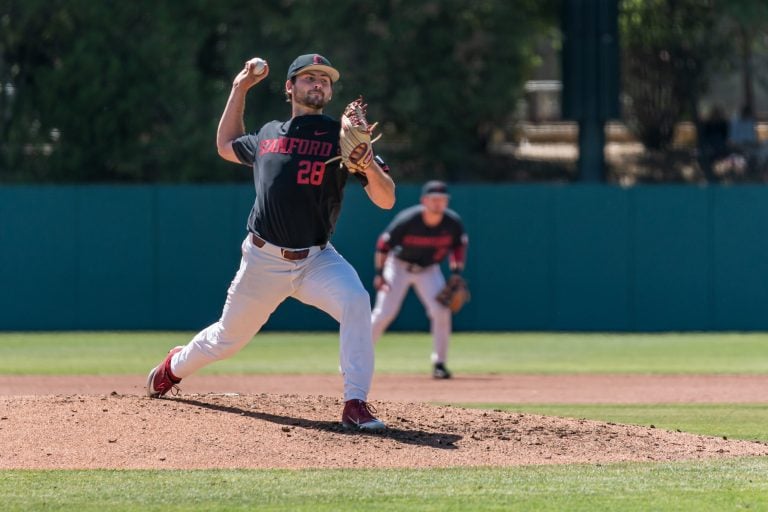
x=323 y=279
x=427 y=283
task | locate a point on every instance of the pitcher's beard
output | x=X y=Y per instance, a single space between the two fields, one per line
x=314 y=99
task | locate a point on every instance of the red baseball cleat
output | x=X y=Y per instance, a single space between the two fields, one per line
x=359 y=414
x=160 y=380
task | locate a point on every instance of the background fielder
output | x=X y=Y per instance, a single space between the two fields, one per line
x=408 y=253
x=286 y=252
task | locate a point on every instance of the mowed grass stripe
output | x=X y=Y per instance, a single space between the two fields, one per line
x=729 y=484
x=128 y=353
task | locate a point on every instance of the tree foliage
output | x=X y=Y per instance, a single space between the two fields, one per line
x=673 y=49
x=131 y=91
x=670 y=49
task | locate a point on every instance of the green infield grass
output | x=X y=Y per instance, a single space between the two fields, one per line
x=713 y=486
x=110 y=353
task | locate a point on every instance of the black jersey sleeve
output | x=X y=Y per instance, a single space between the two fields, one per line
x=245 y=148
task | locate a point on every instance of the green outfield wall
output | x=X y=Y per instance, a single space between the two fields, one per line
x=541 y=257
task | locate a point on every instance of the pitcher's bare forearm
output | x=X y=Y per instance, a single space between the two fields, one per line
x=231 y=124
x=381 y=187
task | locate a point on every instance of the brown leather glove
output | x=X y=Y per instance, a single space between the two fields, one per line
x=455 y=293
x=355 y=137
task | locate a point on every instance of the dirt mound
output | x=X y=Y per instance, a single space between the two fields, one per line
x=292 y=431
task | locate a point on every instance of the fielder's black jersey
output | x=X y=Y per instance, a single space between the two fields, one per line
x=298 y=195
x=412 y=241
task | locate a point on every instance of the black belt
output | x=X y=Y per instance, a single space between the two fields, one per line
x=289 y=254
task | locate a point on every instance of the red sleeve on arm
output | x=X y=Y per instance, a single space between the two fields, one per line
x=382 y=244
x=456 y=257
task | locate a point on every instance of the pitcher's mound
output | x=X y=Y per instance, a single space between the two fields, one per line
x=292 y=431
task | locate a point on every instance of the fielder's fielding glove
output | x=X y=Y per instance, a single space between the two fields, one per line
x=455 y=293
x=355 y=137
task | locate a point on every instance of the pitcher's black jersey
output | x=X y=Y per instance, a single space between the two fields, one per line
x=298 y=195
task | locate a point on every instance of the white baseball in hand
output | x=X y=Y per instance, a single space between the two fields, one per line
x=258 y=65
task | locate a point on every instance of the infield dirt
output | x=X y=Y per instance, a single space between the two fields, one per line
x=222 y=422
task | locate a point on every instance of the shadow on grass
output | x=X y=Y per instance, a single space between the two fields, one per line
x=414 y=437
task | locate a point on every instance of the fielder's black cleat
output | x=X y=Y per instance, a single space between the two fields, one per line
x=440 y=371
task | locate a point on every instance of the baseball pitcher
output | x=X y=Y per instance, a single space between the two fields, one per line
x=287 y=250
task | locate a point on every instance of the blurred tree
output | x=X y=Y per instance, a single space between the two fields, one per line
x=131 y=91
x=441 y=75
x=117 y=91
x=671 y=49
x=745 y=21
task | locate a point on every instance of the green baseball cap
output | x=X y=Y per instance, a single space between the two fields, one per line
x=312 y=62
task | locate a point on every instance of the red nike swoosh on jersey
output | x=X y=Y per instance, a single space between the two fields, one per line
x=318 y=132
